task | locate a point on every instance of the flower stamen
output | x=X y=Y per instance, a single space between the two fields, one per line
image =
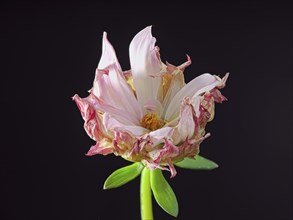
x=152 y=122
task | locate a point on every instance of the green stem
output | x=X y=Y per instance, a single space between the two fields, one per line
x=146 y=208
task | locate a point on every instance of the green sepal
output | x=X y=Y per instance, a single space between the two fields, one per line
x=199 y=163
x=123 y=175
x=163 y=193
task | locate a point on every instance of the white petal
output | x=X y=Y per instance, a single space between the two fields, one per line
x=200 y=84
x=110 y=84
x=187 y=125
x=112 y=124
x=108 y=54
x=144 y=64
x=175 y=86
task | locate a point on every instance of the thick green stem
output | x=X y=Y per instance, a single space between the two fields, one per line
x=146 y=208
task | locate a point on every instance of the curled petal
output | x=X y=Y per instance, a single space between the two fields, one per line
x=222 y=82
x=186 y=64
x=92 y=120
x=172 y=168
x=103 y=147
x=200 y=84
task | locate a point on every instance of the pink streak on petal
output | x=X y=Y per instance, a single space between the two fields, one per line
x=172 y=168
x=169 y=150
x=186 y=64
x=92 y=122
x=217 y=95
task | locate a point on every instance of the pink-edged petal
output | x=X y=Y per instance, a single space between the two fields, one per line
x=145 y=64
x=190 y=148
x=217 y=95
x=103 y=147
x=113 y=124
x=92 y=120
x=200 y=84
x=186 y=64
x=172 y=168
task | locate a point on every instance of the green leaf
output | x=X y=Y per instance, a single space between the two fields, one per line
x=163 y=193
x=123 y=175
x=199 y=163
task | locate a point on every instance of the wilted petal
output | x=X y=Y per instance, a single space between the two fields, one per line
x=145 y=64
x=92 y=120
x=217 y=95
x=102 y=147
x=200 y=84
x=186 y=64
x=172 y=168
x=169 y=150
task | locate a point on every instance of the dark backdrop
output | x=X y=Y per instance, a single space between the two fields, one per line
x=49 y=52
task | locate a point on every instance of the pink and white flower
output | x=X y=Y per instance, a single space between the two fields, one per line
x=148 y=114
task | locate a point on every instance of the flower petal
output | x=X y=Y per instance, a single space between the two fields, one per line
x=111 y=86
x=92 y=120
x=102 y=147
x=176 y=84
x=200 y=84
x=186 y=128
x=108 y=55
x=145 y=63
x=158 y=136
x=112 y=124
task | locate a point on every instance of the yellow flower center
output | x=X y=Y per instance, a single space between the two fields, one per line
x=151 y=122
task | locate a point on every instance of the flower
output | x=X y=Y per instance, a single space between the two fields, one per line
x=148 y=114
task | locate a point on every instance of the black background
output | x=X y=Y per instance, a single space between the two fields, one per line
x=49 y=52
